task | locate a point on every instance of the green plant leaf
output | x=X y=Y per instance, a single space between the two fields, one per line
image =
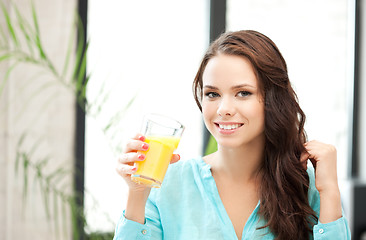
x=81 y=50
x=63 y=212
x=69 y=51
x=45 y=194
x=25 y=175
x=10 y=26
x=24 y=27
x=82 y=70
x=55 y=192
x=117 y=117
x=19 y=153
x=17 y=160
x=95 y=107
x=84 y=87
x=37 y=34
x=75 y=218
x=82 y=81
x=6 y=57
x=21 y=139
x=6 y=77
x=5 y=43
x=44 y=187
x=42 y=163
x=57 y=174
x=55 y=212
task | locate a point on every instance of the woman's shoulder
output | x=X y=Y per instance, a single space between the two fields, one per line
x=185 y=168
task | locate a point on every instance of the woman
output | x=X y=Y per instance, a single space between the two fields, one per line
x=257 y=185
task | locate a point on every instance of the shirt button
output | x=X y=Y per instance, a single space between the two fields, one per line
x=144 y=231
x=321 y=230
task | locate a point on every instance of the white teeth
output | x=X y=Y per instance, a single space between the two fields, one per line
x=229 y=127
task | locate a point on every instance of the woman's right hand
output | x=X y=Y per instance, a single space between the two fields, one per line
x=125 y=164
x=138 y=193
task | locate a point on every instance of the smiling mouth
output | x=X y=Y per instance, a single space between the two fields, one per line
x=229 y=126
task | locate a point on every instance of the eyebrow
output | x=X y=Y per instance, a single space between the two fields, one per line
x=234 y=87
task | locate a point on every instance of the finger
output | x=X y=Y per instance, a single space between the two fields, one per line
x=313 y=153
x=131 y=157
x=136 y=145
x=175 y=158
x=315 y=146
x=311 y=149
x=124 y=169
x=139 y=136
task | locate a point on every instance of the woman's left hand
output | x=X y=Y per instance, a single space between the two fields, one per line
x=324 y=159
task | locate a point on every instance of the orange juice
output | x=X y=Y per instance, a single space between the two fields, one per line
x=152 y=170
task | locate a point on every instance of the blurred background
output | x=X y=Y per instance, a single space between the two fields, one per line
x=77 y=76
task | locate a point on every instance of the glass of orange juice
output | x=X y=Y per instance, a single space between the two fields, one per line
x=163 y=135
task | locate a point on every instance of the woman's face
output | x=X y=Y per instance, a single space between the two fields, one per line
x=232 y=106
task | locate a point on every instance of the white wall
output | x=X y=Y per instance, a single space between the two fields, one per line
x=48 y=118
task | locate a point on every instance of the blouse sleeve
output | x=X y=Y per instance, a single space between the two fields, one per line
x=131 y=230
x=336 y=230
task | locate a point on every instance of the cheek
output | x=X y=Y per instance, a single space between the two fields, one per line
x=260 y=116
x=208 y=112
x=208 y=107
x=256 y=111
x=205 y=112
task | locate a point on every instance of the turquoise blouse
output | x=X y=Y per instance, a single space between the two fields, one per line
x=188 y=207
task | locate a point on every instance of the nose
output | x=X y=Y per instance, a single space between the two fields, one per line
x=226 y=108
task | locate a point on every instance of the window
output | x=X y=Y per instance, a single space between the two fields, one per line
x=148 y=51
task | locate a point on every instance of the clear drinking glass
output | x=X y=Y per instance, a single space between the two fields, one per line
x=163 y=135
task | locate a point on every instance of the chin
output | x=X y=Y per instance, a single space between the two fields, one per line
x=228 y=143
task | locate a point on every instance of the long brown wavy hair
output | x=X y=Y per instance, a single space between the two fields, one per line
x=285 y=182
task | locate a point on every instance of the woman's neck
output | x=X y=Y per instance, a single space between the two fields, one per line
x=238 y=164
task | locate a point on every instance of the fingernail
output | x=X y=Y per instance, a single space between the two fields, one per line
x=178 y=156
x=134 y=169
x=145 y=146
x=141 y=156
x=142 y=138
